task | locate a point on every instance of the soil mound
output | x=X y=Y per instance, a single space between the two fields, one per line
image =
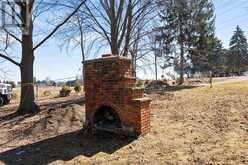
x=58 y=121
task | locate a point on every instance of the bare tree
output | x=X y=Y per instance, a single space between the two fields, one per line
x=141 y=50
x=77 y=34
x=117 y=21
x=25 y=15
x=121 y=25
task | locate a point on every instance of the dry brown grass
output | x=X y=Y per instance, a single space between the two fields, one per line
x=196 y=126
x=43 y=93
x=192 y=126
x=54 y=91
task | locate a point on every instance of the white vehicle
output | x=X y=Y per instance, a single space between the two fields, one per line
x=5 y=93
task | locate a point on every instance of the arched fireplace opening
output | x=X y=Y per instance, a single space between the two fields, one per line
x=107 y=119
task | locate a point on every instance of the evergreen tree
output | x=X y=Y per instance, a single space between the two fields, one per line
x=211 y=58
x=186 y=25
x=176 y=27
x=237 y=59
x=216 y=57
x=203 y=39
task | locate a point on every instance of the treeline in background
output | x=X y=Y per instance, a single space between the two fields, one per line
x=187 y=41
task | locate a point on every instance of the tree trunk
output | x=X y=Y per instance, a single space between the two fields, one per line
x=27 y=104
x=181 y=80
x=156 y=67
x=114 y=48
x=82 y=49
x=129 y=28
x=114 y=31
x=211 y=78
x=134 y=65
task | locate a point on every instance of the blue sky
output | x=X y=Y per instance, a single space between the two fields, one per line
x=229 y=14
x=52 y=62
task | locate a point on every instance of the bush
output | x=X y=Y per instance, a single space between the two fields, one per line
x=65 y=91
x=77 y=88
x=47 y=93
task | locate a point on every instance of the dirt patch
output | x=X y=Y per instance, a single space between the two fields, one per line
x=58 y=121
x=47 y=123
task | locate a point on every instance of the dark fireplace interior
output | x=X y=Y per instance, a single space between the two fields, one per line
x=106 y=119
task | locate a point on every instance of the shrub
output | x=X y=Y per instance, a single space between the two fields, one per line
x=65 y=88
x=77 y=88
x=47 y=93
x=65 y=91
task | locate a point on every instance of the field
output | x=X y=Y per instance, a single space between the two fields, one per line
x=189 y=126
x=41 y=93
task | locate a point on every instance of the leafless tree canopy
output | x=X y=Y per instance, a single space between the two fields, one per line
x=118 y=22
x=124 y=26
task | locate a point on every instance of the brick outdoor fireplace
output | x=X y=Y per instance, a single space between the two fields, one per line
x=113 y=101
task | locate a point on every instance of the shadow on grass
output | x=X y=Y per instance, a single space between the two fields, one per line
x=65 y=147
x=14 y=117
x=8 y=116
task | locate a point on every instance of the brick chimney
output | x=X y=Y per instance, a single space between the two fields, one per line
x=113 y=101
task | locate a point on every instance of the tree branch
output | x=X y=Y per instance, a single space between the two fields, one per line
x=58 y=26
x=98 y=24
x=10 y=60
x=12 y=35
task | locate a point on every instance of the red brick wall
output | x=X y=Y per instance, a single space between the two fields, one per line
x=109 y=82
